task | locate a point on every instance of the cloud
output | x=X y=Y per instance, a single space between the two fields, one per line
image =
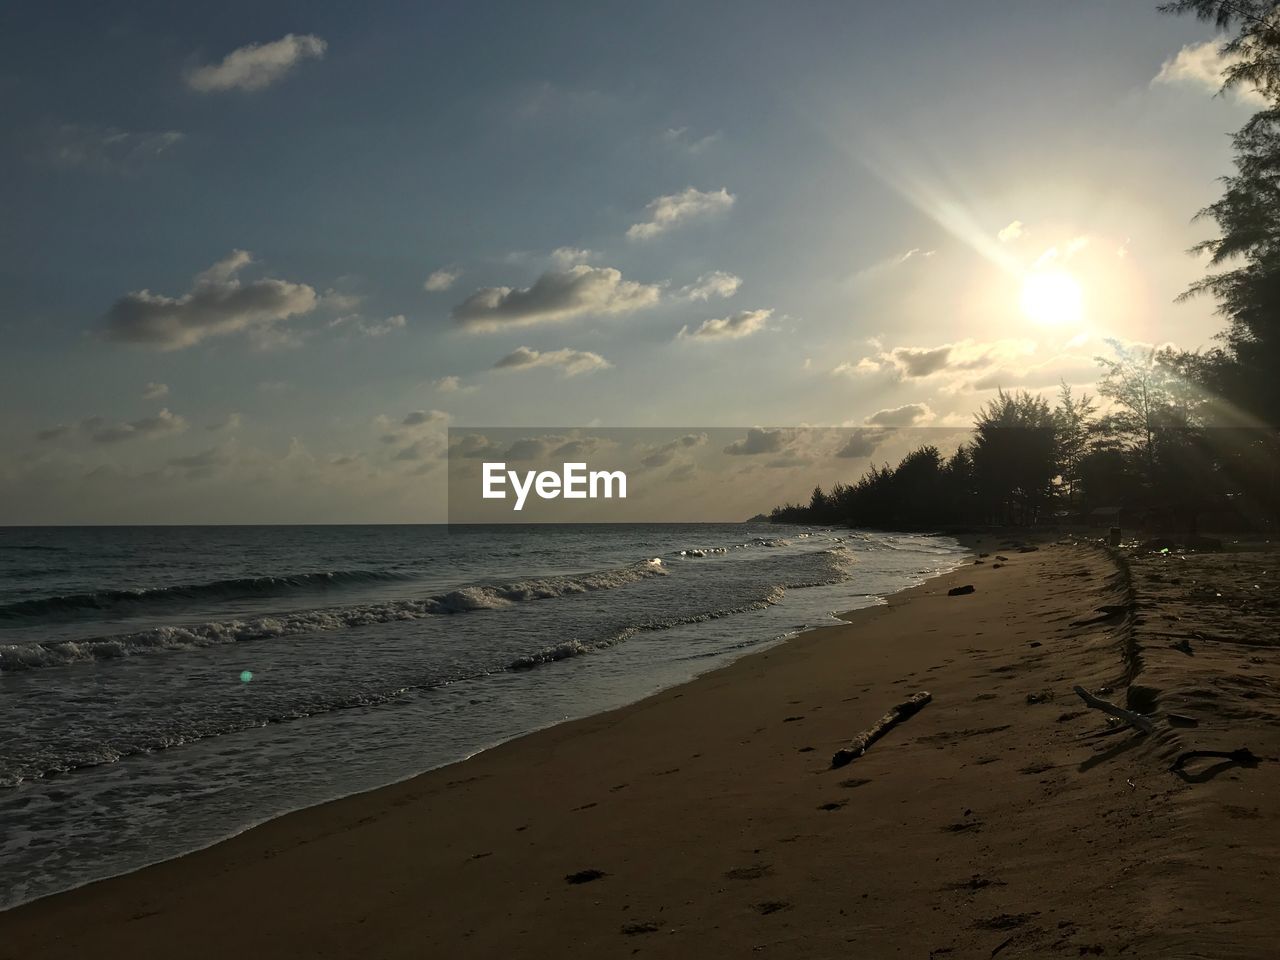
x=669 y=211
x=371 y=328
x=1011 y=232
x=74 y=146
x=681 y=137
x=204 y=462
x=257 y=65
x=555 y=296
x=569 y=256
x=717 y=283
x=759 y=441
x=419 y=418
x=907 y=415
x=888 y=263
x=1073 y=369
x=473 y=446
x=441 y=279
x=155 y=391
x=229 y=423
x=217 y=304
x=862 y=442
x=162 y=424
x=54 y=433
x=570 y=362
x=742 y=324
x=669 y=451
x=1204 y=65
x=449 y=384
x=912 y=363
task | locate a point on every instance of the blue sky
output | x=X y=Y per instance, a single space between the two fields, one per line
x=724 y=214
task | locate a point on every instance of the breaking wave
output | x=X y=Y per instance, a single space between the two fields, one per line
x=57 y=653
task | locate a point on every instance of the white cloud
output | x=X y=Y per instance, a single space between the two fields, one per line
x=1011 y=232
x=570 y=256
x=257 y=65
x=555 y=296
x=1204 y=65
x=666 y=212
x=449 y=384
x=681 y=137
x=741 y=324
x=889 y=263
x=717 y=283
x=155 y=391
x=570 y=362
x=907 y=415
x=72 y=146
x=441 y=279
x=371 y=328
x=217 y=304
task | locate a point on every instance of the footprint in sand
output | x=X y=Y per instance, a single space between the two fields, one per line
x=753 y=872
x=853 y=782
x=767 y=907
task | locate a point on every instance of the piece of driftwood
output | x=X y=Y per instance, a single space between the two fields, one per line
x=960 y=591
x=1136 y=720
x=863 y=741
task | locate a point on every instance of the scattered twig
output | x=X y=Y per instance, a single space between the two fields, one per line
x=1135 y=720
x=863 y=741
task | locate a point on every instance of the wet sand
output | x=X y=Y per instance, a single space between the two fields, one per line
x=1005 y=819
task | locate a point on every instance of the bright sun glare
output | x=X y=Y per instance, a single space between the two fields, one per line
x=1052 y=298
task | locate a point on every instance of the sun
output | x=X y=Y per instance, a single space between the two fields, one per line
x=1052 y=298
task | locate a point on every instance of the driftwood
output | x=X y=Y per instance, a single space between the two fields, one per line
x=1135 y=720
x=863 y=741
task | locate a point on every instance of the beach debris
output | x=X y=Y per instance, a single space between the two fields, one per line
x=1001 y=557
x=1184 y=646
x=584 y=876
x=1136 y=720
x=1181 y=720
x=863 y=741
x=1040 y=696
x=960 y=591
x=1028 y=549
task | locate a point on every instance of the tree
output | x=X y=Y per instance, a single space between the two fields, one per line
x=1074 y=424
x=1246 y=254
x=1014 y=456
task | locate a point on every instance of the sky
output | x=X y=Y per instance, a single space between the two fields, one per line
x=257 y=261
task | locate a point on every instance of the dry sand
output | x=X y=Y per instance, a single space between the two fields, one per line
x=1003 y=820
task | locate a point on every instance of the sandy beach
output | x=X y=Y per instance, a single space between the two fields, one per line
x=1005 y=819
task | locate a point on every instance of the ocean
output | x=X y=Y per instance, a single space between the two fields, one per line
x=162 y=688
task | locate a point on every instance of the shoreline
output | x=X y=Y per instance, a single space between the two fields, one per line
x=1004 y=817
x=210 y=839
